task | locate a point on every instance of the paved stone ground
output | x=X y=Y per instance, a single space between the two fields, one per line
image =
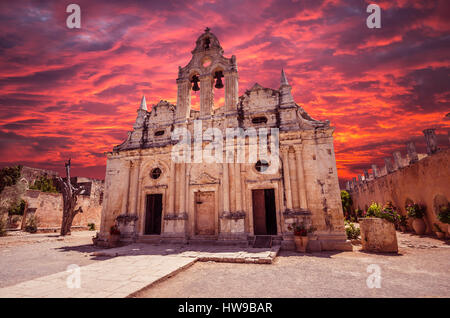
x=122 y=271
x=26 y=256
x=420 y=270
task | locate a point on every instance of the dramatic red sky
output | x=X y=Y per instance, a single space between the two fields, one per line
x=74 y=92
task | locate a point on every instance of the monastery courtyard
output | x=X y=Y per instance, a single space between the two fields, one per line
x=35 y=266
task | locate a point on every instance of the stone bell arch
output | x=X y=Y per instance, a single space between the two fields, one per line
x=207 y=69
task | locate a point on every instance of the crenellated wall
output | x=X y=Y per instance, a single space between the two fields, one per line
x=420 y=178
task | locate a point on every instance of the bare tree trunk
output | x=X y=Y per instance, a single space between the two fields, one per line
x=69 y=193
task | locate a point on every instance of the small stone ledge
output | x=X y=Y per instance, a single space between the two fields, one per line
x=173 y=216
x=293 y=213
x=127 y=218
x=233 y=215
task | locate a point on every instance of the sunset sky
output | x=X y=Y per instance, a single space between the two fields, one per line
x=74 y=92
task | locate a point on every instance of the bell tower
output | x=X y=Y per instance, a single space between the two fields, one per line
x=207 y=70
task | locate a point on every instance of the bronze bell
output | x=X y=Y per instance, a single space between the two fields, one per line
x=218 y=76
x=195 y=80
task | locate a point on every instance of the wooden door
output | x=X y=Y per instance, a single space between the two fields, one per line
x=264 y=212
x=204 y=213
x=153 y=214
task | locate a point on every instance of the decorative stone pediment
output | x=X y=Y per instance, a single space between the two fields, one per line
x=204 y=178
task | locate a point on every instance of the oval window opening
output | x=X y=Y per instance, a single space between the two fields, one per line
x=259 y=120
x=261 y=166
x=155 y=173
x=159 y=133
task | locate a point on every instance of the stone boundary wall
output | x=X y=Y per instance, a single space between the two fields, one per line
x=424 y=181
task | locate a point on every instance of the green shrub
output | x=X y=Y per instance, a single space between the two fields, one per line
x=44 y=184
x=444 y=214
x=91 y=226
x=9 y=176
x=387 y=212
x=352 y=231
x=31 y=225
x=2 y=226
x=415 y=211
x=18 y=208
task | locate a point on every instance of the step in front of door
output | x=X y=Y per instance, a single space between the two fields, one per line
x=262 y=241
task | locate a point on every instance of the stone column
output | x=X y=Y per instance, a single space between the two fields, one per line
x=430 y=138
x=301 y=178
x=226 y=188
x=126 y=197
x=287 y=178
x=136 y=170
x=398 y=159
x=237 y=183
x=374 y=171
x=172 y=187
x=206 y=95
x=412 y=153
x=182 y=184
x=389 y=166
x=183 y=99
x=231 y=90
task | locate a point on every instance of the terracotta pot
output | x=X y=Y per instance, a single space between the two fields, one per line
x=300 y=244
x=114 y=239
x=419 y=226
x=440 y=235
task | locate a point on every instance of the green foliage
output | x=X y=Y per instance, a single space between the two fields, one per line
x=91 y=226
x=2 y=226
x=44 y=184
x=32 y=224
x=9 y=176
x=402 y=220
x=387 y=212
x=300 y=229
x=352 y=231
x=415 y=211
x=359 y=213
x=444 y=214
x=18 y=208
x=346 y=200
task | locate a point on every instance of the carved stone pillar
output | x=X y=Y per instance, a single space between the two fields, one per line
x=183 y=99
x=206 y=95
x=287 y=178
x=226 y=188
x=135 y=185
x=125 y=203
x=301 y=178
x=231 y=90
x=182 y=193
x=172 y=180
x=237 y=182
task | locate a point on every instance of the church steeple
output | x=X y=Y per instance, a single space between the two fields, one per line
x=284 y=80
x=143 y=104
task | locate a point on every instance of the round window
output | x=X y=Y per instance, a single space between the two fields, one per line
x=156 y=173
x=261 y=166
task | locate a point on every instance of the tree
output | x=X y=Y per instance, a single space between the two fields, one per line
x=69 y=193
x=346 y=202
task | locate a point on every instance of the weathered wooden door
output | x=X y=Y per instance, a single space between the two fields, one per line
x=264 y=212
x=204 y=213
x=153 y=214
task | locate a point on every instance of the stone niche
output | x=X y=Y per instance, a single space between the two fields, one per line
x=378 y=235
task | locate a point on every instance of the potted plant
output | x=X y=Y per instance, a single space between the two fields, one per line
x=439 y=233
x=114 y=235
x=444 y=216
x=402 y=222
x=416 y=213
x=301 y=238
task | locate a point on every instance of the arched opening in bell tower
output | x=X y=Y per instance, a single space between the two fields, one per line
x=218 y=87
x=194 y=79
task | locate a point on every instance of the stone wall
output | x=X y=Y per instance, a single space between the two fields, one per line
x=425 y=181
x=48 y=207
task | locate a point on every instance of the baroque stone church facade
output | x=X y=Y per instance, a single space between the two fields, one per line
x=153 y=198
